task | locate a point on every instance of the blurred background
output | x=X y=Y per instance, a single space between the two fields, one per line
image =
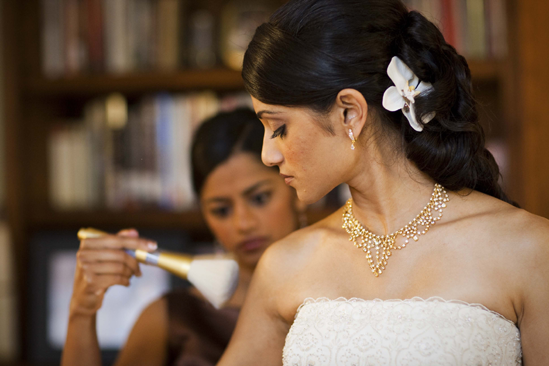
x=99 y=100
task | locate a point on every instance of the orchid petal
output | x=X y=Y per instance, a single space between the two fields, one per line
x=392 y=100
x=413 y=82
x=401 y=95
x=399 y=73
x=411 y=116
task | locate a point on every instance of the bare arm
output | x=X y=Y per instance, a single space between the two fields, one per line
x=534 y=320
x=81 y=346
x=101 y=263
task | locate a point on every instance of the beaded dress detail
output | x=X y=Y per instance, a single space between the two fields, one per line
x=356 y=332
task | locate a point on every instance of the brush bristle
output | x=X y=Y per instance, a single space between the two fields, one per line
x=216 y=279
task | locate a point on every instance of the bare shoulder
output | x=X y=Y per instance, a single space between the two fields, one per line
x=506 y=246
x=293 y=252
x=148 y=339
x=532 y=229
x=503 y=221
x=515 y=240
x=154 y=317
x=157 y=306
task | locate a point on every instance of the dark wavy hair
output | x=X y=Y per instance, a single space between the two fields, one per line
x=310 y=50
x=222 y=136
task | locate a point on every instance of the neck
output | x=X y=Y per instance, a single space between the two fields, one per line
x=388 y=194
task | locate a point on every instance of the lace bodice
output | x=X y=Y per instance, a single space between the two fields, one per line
x=415 y=331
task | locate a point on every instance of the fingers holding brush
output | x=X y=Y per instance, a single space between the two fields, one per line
x=125 y=239
x=109 y=251
x=102 y=262
x=111 y=248
x=106 y=256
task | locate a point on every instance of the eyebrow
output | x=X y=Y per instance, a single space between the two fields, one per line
x=256 y=186
x=261 y=113
x=246 y=192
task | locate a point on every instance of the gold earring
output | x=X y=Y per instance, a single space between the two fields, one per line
x=352 y=137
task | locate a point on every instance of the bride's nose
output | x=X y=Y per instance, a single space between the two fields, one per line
x=270 y=155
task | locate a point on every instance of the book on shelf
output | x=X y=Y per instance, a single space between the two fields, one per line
x=141 y=162
x=496 y=30
x=116 y=26
x=53 y=61
x=113 y=36
x=59 y=155
x=169 y=12
x=92 y=24
x=476 y=21
x=9 y=311
x=476 y=28
x=123 y=36
x=202 y=40
x=72 y=47
x=239 y=20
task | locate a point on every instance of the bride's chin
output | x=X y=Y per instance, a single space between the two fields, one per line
x=308 y=197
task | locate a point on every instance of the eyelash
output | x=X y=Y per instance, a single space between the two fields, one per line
x=262 y=198
x=220 y=212
x=258 y=199
x=281 y=131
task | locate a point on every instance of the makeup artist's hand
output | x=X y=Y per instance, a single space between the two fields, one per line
x=102 y=263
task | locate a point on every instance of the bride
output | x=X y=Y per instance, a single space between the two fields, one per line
x=428 y=263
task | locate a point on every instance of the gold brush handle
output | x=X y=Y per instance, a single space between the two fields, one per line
x=177 y=263
x=90 y=233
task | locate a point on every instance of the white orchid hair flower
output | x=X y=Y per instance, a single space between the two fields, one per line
x=401 y=95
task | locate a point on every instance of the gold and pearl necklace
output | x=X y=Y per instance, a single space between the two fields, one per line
x=368 y=241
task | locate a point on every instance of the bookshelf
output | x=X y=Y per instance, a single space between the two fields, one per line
x=220 y=79
x=510 y=91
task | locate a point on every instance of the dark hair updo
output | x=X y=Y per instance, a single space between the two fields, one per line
x=222 y=136
x=310 y=50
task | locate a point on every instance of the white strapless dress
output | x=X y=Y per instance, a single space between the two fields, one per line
x=356 y=332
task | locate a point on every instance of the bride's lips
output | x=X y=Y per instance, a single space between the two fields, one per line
x=252 y=244
x=287 y=178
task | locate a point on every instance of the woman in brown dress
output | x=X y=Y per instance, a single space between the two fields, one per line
x=246 y=205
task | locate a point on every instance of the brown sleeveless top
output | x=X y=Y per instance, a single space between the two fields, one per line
x=198 y=333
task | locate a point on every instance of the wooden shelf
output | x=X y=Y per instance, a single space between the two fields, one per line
x=486 y=70
x=89 y=85
x=218 y=79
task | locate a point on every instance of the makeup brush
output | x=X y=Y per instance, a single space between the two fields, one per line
x=215 y=278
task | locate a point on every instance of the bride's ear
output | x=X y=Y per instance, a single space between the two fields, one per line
x=352 y=110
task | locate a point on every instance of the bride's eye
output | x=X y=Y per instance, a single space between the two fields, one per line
x=281 y=131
